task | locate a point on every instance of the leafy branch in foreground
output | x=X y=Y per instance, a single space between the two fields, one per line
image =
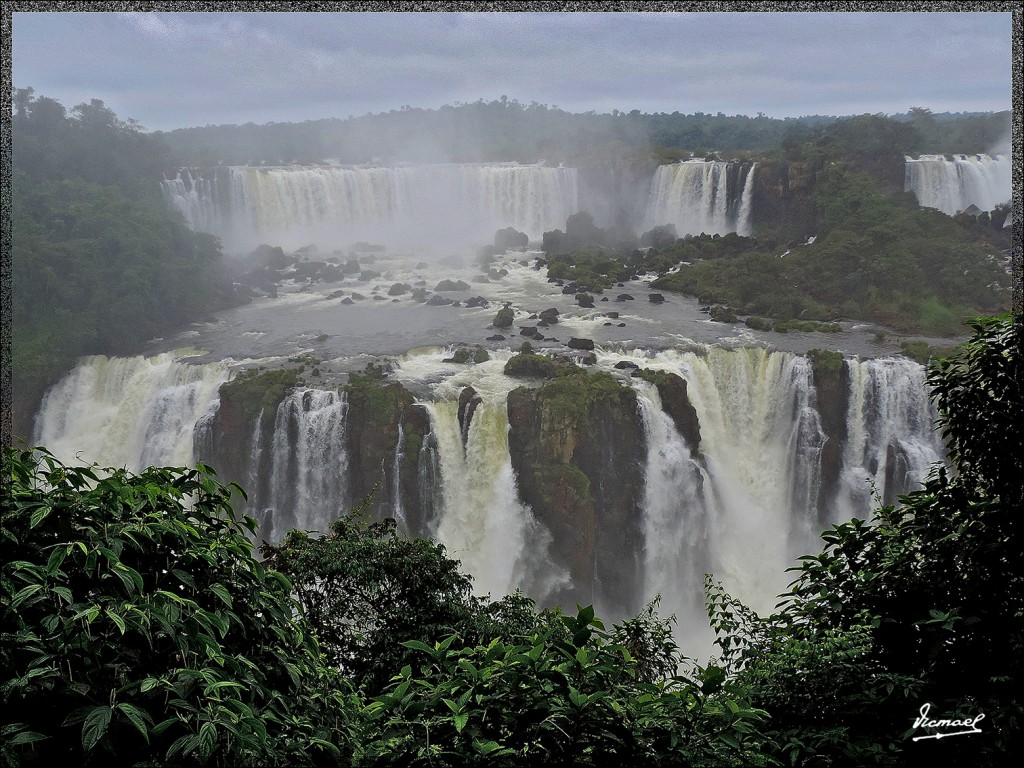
x=138 y=627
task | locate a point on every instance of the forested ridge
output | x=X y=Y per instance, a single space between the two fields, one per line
x=506 y=129
x=140 y=628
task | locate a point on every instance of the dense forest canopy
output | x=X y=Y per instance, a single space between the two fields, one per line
x=506 y=129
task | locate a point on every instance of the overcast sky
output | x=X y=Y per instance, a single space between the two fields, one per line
x=172 y=70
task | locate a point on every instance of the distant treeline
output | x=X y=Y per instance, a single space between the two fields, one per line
x=509 y=130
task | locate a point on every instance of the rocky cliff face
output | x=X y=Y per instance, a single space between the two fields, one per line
x=832 y=390
x=675 y=401
x=783 y=198
x=577 y=447
x=375 y=411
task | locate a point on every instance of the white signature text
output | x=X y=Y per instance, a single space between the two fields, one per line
x=966 y=725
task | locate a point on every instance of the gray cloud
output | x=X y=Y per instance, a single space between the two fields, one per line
x=172 y=70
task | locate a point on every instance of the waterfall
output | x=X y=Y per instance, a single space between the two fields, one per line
x=760 y=440
x=698 y=196
x=892 y=443
x=953 y=183
x=742 y=504
x=675 y=516
x=308 y=464
x=131 y=412
x=744 y=222
x=483 y=524
x=403 y=205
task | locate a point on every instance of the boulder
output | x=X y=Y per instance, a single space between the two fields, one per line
x=584 y=344
x=509 y=238
x=438 y=301
x=504 y=318
x=656 y=298
x=452 y=285
x=549 y=316
x=585 y=300
x=623 y=297
x=575 y=443
x=398 y=289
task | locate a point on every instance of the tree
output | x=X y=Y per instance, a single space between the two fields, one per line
x=138 y=627
x=923 y=604
x=366 y=590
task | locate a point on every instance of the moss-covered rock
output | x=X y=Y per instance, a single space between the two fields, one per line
x=530 y=365
x=374 y=413
x=577 y=447
x=504 y=318
x=225 y=441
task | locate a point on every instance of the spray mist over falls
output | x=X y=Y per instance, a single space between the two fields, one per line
x=953 y=183
x=418 y=205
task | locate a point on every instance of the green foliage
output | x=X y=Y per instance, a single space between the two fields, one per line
x=924 y=603
x=921 y=351
x=593 y=269
x=504 y=318
x=367 y=591
x=532 y=365
x=99 y=265
x=507 y=129
x=806 y=326
x=572 y=693
x=979 y=393
x=254 y=391
x=877 y=257
x=138 y=627
x=826 y=363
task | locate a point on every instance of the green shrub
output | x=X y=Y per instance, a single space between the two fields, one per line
x=138 y=627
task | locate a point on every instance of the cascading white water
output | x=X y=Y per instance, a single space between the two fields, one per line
x=696 y=196
x=889 y=414
x=751 y=498
x=744 y=220
x=308 y=464
x=483 y=524
x=397 y=510
x=334 y=206
x=954 y=183
x=675 y=518
x=132 y=412
x=760 y=442
x=742 y=507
